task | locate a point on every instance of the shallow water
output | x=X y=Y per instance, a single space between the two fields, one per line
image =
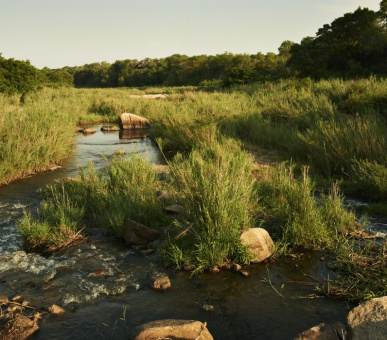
x=104 y=283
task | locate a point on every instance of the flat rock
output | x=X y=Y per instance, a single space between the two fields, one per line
x=89 y=131
x=128 y=121
x=369 y=320
x=174 y=209
x=138 y=234
x=22 y=328
x=260 y=243
x=171 y=329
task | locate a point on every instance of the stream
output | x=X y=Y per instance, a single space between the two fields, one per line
x=104 y=284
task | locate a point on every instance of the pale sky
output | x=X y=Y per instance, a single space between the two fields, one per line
x=57 y=33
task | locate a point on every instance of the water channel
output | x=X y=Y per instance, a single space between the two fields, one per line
x=107 y=306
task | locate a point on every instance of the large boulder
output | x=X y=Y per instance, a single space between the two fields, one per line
x=128 y=121
x=171 y=329
x=369 y=320
x=260 y=243
x=138 y=234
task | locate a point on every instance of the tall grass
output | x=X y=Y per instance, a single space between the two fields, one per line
x=216 y=190
x=291 y=211
x=126 y=189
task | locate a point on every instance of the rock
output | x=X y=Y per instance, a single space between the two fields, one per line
x=17 y=298
x=89 y=131
x=236 y=267
x=171 y=329
x=98 y=273
x=324 y=332
x=174 y=209
x=138 y=234
x=56 y=310
x=244 y=273
x=260 y=242
x=226 y=266
x=110 y=128
x=214 y=269
x=188 y=267
x=369 y=320
x=22 y=328
x=15 y=309
x=26 y=303
x=208 y=308
x=78 y=129
x=164 y=195
x=3 y=300
x=128 y=121
x=155 y=244
x=161 y=283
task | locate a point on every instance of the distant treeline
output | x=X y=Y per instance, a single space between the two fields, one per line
x=354 y=45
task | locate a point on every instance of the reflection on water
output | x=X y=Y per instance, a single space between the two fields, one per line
x=135 y=133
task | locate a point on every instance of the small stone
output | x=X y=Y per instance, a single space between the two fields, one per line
x=322 y=258
x=214 y=269
x=236 y=267
x=226 y=266
x=208 y=308
x=161 y=283
x=78 y=129
x=3 y=300
x=98 y=273
x=110 y=128
x=244 y=273
x=56 y=310
x=93 y=247
x=188 y=267
x=89 y=131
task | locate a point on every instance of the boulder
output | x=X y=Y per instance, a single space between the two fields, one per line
x=172 y=329
x=260 y=243
x=138 y=234
x=369 y=320
x=110 y=128
x=128 y=121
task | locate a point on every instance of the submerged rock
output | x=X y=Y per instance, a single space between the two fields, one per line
x=110 y=128
x=171 y=329
x=128 y=121
x=260 y=243
x=138 y=234
x=369 y=320
x=19 y=327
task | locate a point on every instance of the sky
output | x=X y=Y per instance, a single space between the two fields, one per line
x=58 y=33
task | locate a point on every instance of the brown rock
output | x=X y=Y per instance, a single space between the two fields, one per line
x=3 y=299
x=260 y=242
x=78 y=129
x=161 y=283
x=15 y=309
x=98 y=273
x=89 y=131
x=17 y=298
x=128 y=121
x=369 y=320
x=226 y=266
x=236 y=267
x=244 y=273
x=322 y=332
x=138 y=234
x=56 y=310
x=172 y=329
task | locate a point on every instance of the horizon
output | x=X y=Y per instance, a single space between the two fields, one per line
x=74 y=33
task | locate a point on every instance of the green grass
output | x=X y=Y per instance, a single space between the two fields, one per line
x=216 y=191
x=126 y=189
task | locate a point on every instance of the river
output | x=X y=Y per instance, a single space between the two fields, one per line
x=104 y=284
